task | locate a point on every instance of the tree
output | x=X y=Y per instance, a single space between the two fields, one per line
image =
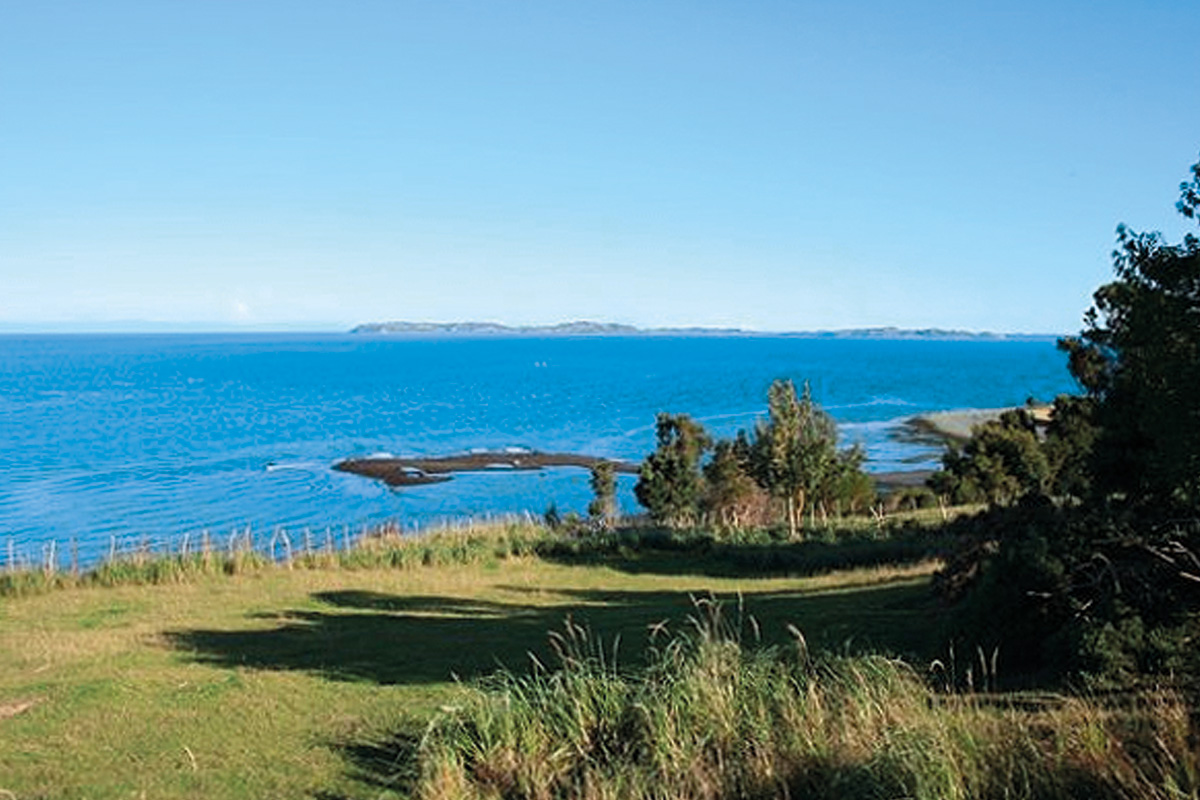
x=795 y=449
x=1070 y=437
x=852 y=489
x=728 y=488
x=1002 y=462
x=670 y=483
x=1138 y=358
x=1109 y=587
x=603 y=480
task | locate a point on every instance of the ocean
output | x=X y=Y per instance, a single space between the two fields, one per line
x=138 y=440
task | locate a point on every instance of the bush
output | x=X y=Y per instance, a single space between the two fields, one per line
x=1002 y=462
x=1074 y=591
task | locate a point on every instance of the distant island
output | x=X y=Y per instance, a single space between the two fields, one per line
x=497 y=329
x=587 y=328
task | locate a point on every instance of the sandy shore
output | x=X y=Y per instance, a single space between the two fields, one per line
x=957 y=425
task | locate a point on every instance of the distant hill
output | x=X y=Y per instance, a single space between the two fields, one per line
x=586 y=328
x=496 y=329
x=930 y=333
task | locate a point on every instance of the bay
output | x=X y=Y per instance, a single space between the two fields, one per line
x=140 y=439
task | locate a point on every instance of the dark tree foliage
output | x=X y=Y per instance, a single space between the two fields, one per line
x=1076 y=591
x=1070 y=437
x=1138 y=358
x=1094 y=571
x=670 y=483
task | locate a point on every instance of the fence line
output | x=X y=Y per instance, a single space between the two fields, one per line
x=240 y=540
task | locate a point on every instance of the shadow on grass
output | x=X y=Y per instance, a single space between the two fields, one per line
x=672 y=553
x=385 y=767
x=391 y=639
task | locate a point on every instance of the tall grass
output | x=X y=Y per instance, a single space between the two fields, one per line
x=712 y=718
x=856 y=543
x=383 y=547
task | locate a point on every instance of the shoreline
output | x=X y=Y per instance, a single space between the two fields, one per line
x=957 y=425
x=439 y=469
x=399 y=472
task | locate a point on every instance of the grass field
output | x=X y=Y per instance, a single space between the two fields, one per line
x=293 y=683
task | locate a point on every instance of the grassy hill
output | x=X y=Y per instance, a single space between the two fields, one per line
x=276 y=682
x=351 y=675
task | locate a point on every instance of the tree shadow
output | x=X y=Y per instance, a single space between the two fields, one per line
x=386 y=767
x=392 y=639
x=892 y=617
x=702 y=556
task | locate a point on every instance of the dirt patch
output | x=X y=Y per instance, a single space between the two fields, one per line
x=19 y=707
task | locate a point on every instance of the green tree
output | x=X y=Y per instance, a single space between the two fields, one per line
x=1138 y=358
x=853 y=490
x=1070 y=437
x=728 y=487
x=795 y=450
x=603 y=480
x=1002 y=462
x=1109 y=588
x=670 y=483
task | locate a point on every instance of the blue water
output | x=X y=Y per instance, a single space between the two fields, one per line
x=144 y=438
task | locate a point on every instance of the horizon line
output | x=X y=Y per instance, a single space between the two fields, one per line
x=135 y=327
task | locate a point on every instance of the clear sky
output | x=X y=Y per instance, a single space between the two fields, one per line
x=771 y=165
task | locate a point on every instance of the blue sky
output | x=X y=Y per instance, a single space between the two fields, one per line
x=776 y=166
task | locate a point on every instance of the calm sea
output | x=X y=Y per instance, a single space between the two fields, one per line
x=145 y=438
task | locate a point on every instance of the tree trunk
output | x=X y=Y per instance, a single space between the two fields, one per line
x=795 y=513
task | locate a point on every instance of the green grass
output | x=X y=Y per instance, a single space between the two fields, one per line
x=232 y=676
x=291 y=682
x=841 y=543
